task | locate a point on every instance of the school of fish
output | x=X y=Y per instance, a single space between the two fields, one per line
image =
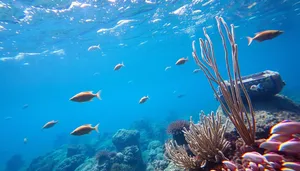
x=88 y=96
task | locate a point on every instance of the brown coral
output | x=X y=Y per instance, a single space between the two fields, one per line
x=205 y=140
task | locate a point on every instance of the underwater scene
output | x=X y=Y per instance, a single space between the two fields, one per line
x=149 y=85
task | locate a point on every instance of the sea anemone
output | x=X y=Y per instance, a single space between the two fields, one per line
x=175 y=129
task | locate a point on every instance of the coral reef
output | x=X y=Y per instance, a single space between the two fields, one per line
x=48 y=161
x=155 y=157
x=246 y=151
x=15 y=163
x=124 y=138
x=175 y=129
x=85 y=149
x=206 y=141
x=268 y=113
x=70 y=163
x=81 y=157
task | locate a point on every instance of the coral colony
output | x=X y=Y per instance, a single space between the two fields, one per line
x=207 y=147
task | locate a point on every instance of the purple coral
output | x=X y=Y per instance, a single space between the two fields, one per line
x=175 y=128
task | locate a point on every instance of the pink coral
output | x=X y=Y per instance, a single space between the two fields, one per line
x=277 y=153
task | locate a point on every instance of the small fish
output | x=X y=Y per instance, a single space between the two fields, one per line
x=291 y=165
x=270 y=145
x=180 y=95
x=25 y=106
x=196 y=71
x=49 y=124
x=168 y=67
x=273 y=157
x=143 y=99
x=292 y=146
x=275 y=165
x=85 y=129
x=255 y=157
x=286 y=128
x=119 y=66
x=264 y=35
x=96 y=73
x=252 y=5
x=230 y=165
x=85 y=96
x=279 y=137
x=8 y=118
x=256 y=87
x=181 y=61
x=25 y=140
x=253 y=166
x=94 y=47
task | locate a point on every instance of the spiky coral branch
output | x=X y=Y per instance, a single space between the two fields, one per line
x=233 y=105
x=205 y=140
x=179 y=155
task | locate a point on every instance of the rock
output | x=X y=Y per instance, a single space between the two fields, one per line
x=155 y=157
x=71 y=163
x=133 y=157
x=270 y=112
x=124 y=138
x=86 y=150
x=48 y=161
x=88 y=165
x=121 y=167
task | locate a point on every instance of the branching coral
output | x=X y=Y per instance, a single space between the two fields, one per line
x=178 y=154
x=231 y=90
x=205 y=140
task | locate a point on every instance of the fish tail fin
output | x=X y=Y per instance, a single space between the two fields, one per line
x=96 y=128
x=99 y=46
x=187 y=58
x=98 y=95
x=148 y=96
x=123 y=64
x=250 y=39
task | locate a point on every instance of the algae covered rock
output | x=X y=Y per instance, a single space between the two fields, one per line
x=88 y=165
x=269 y=112
x=70 y=163
x=48 y=161
x=124 y=138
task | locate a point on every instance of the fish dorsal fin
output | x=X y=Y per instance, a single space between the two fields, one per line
x=88 y=91
x=87 y=125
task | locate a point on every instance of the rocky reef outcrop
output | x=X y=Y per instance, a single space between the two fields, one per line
x=82 y=157
x=269 y=112
x=124 y=138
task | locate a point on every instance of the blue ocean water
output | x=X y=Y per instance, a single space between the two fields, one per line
x=44 y=61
